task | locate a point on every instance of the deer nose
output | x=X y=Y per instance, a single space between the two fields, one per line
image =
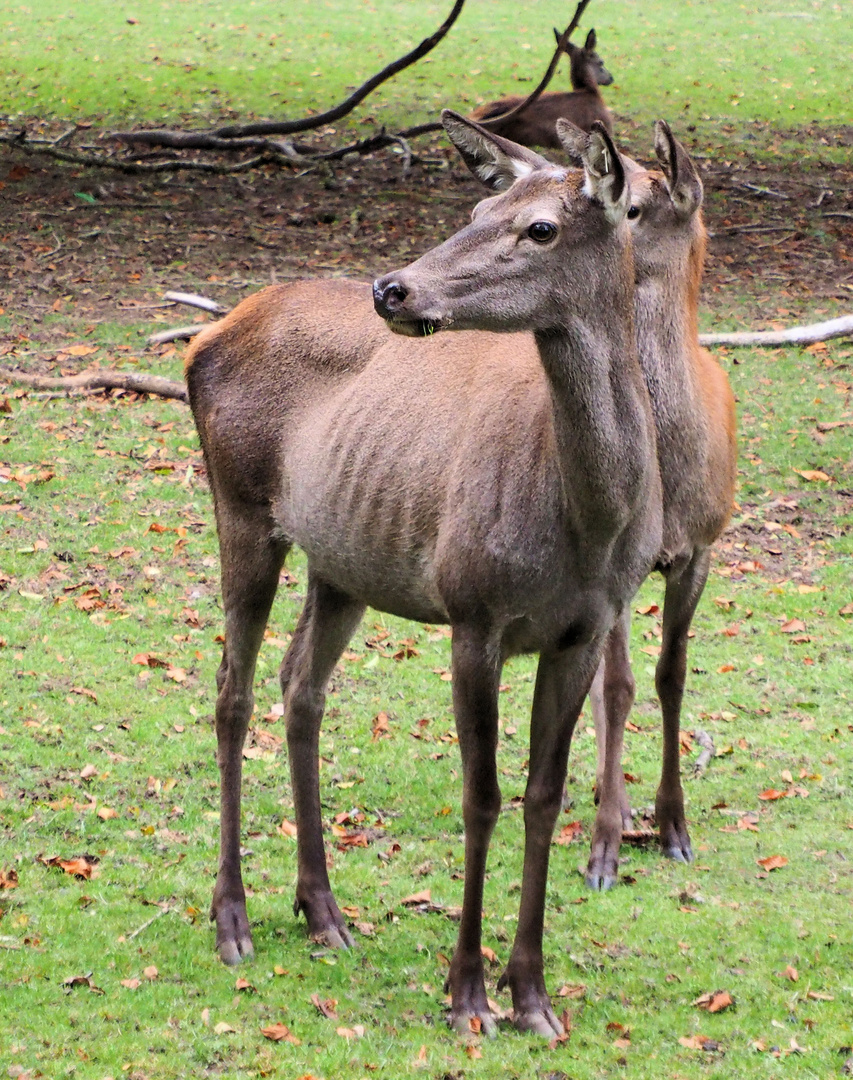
x=388 y=297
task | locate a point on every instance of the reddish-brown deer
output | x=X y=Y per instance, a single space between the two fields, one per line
x=694 y=415
x=537 y=124
x=505 y=483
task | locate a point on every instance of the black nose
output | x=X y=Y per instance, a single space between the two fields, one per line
x=388 y=297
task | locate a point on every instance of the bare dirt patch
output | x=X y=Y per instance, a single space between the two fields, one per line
x=81 y=247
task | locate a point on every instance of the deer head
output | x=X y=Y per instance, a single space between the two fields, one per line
x=531 y=254
x=587 y=67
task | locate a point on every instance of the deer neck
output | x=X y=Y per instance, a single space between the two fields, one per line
x=602 y=420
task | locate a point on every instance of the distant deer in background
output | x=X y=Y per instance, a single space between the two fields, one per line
x=537 y=124
x=505 y=483
x=694 y=413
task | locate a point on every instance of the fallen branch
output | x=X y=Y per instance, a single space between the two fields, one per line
x=100 y=380
x=180 y=333
x=795 y=335
x=708 y=750
x=194 y=300
x=291 y=127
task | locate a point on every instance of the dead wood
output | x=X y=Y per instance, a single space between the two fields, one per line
x=100 y=380
x=707 y=752
x=795 y=335
x=194 y=300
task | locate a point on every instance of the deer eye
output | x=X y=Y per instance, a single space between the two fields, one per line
x=542 y=231
x=634 y=212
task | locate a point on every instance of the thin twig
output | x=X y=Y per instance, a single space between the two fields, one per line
x=179 y=333
x=145 y=925
x=708 y=750
x=194 y=300
x=795 y=335
x=135 y=382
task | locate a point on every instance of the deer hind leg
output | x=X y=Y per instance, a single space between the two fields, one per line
x=476 y=675
x=251 y=557
x=562 y=683
x=683 y=590
x=324 y=628
x=616 y=698
x=599 y=719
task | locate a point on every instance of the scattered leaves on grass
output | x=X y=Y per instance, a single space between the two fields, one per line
x=790 y=973
x=772 y=862
x=715 y=1002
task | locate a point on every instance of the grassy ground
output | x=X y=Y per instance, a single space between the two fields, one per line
x=110 y=618
x=110 y=610
x=693 y=63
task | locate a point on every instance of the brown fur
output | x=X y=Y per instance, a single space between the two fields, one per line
x=694 y=414
x=583 y=106
x=503 y=482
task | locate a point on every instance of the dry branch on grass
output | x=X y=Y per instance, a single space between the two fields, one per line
x=99 y=380
x=270 y=141
x=794 y=335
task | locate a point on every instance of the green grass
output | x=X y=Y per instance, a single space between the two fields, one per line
x=694 y=62
x=89 y=586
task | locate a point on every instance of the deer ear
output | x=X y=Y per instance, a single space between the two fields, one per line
x=495 y=161
x=606 y=181
x=682 y=179
x=573 y=140
x=589 y=44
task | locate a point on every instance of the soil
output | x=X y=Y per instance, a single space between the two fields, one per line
x=94 y=246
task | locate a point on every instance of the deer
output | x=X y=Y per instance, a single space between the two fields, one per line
x=694 y=412
x=583 y=105
x=483 y=455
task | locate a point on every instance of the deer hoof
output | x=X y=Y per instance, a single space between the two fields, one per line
x=233 y=937
x=479 y=1020
x=540 y=1022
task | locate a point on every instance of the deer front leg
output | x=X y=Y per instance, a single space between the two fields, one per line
x=476 y=674
x=562 y=682
x=250 y=569
x=683 y=590
x=617 y=697
x=324 y=628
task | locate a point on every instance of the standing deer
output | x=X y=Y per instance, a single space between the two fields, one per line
x=504 y=483
x=584 y=105
x=694 y=413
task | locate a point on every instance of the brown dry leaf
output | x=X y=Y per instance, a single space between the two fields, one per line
x=326 y=1007
x=772 y=793
x=846 y=610
x=280 y=1033
x=811 y=474
x=150 y=972
x=87 y=772
x=149 y=660
x=380 y=726
x=572 y=992
x=569 y=833
x=8 y=878
x=790 y=973
x=355 y=1032
x=489 y=954
x=131 y=984
x=224 y=1029
x=424 y=897
x=83 y=866
x=79 y=350
x=816 y=995
x=792 y=626
x=287 y=828
x=81 y=980
x=106 y=813
x=715 y=1002
x=245 y=986
x=773 y=862
x=697 y=1042
x=725 y=668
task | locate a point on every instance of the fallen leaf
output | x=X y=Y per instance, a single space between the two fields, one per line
x=424 y=897
x=8 y=878
x=569 y=833
x=698 y=1042
x=792 y=626
x=716 y=1002
x=150 y=972
x=245 y=986
x=772 y=793
x=131 y=984
x=791 y=974
x=380 y=726
x=280 y=1033
x=811 y=474
x=773 y=862
x=286 y=828
x=224 y=1029
x=326 y=1007
x=106 y=813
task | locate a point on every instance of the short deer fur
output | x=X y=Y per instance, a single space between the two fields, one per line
x=694 y=413
x=505 y=483
x=583 y=106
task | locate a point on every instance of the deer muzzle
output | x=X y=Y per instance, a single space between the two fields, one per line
x=389 y=298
